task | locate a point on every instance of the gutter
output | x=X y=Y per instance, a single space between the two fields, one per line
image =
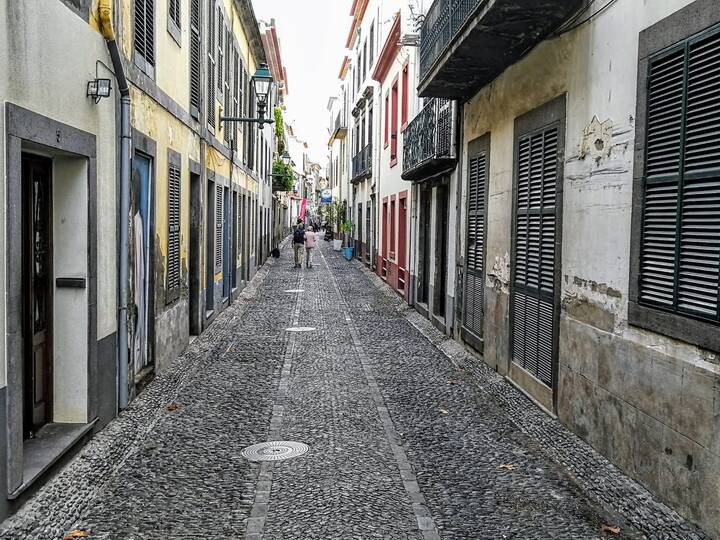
x=105 y=10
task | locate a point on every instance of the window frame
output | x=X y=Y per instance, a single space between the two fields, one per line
x=394 y=96
x=145 y=65
x=684 y=25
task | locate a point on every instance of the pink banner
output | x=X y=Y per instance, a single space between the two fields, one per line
x=303 y=207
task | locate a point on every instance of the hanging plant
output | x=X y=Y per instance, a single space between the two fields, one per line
x=283 y=175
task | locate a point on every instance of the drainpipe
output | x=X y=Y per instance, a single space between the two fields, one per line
x=105 y=9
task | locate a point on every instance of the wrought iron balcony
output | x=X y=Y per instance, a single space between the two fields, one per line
x=362 y=164
x=465 y=44
x=429 y=146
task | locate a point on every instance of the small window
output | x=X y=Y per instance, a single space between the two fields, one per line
x=371 y=50
x=387 y=118
x=394 y=123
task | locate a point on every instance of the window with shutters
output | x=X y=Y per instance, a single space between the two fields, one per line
x=474 y=284
x=195 y=58
x=218 y=227
x=535 y=293
x=173 y=19
x=144 y=36
x=220 y=50
x=173 y=239
x=227 y=127
x=676 y=251
x=235 y=94
x=210 y=96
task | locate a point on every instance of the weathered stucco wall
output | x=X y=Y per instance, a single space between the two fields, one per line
x=648 y=402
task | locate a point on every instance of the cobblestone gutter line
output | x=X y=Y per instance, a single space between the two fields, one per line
x=425 y=521
x=595 y=475
x=255 y=526
x=85 y=489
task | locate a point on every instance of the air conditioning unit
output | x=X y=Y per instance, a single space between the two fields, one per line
x=410 y=40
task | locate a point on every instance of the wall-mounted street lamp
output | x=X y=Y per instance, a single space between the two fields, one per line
x=98 y=89
x=286 y=158
x=262 y=83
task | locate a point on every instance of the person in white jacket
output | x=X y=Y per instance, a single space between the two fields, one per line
x=310 y=243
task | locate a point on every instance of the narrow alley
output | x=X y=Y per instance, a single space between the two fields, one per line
x=407 y=437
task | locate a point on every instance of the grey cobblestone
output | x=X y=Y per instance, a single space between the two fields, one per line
x=407 y=433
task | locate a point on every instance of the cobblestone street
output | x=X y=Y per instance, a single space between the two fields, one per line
x=408 y=435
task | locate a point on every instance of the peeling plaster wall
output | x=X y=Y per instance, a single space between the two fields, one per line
x=648 y=402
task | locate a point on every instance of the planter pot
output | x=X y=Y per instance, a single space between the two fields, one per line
x=337 y=245
x=348 y=253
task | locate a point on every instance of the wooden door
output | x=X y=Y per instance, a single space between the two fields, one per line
x=37 y=292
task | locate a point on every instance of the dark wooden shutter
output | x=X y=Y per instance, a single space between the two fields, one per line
x=218 y=227
x=474 y=296
x=173 y=248
x=174 y=12
x=211 y=66
x=534 y=277
x=680 y=252
x=195 y=51
x=220 y=49
x=144 y=24
x=236 y=93
x=227 y=128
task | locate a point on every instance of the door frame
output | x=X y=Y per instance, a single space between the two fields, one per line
x=195 y=256
x=25 y=127
x=547 y=114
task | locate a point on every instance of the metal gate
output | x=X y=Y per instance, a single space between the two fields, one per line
x=474 y=293
x=536 y=228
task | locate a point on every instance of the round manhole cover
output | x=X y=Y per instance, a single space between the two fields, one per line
x=275 y=451
x=301 y=329
x=294 y=290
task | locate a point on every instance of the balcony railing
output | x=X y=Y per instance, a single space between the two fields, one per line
x=465 y=44
x=429 y=141
x=442 y=23
x=362 y=163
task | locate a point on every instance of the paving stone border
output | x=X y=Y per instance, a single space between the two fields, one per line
x=597 y=477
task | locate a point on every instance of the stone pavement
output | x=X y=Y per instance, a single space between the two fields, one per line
x=410 y=437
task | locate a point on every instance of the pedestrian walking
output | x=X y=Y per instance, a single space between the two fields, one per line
x=299 y=245
x=310 y=241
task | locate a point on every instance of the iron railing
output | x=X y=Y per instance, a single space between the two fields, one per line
x=430 y=136
x=362 y=163
x=339 y=122
x=443 y=22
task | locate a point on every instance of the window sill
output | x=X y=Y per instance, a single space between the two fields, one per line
x=693 y=331
x=393 y=162
x=174 y=31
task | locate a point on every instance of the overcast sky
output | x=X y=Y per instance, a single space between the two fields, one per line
x=312 y=37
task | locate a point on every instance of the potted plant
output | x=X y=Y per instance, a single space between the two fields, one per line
x=346 y=228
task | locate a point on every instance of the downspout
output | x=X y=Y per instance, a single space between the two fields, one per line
x=105 y=9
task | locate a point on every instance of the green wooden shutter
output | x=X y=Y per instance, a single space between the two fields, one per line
x=211 y=66
x=474 y=297
x=144 y=38
x=533 y=286
x=218 y=227
x=174 y=12
x=173 y=248
x=680 y=253
x=195 y=51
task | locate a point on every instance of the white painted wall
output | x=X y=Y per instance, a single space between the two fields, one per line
x=70 y=308
x=36 y=75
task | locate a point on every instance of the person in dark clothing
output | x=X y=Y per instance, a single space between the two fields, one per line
x=299 y=244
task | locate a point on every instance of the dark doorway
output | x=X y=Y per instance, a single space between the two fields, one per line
x=359 y=248
x=210 y=248
x=441 y=241
x=402 y=244
x=423 y=292
x=194 y=255
x=37 y=291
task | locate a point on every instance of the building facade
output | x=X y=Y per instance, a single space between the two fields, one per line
x=97 y=301
x=587 y=261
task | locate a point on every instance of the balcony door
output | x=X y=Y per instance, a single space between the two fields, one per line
x=474 y=293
